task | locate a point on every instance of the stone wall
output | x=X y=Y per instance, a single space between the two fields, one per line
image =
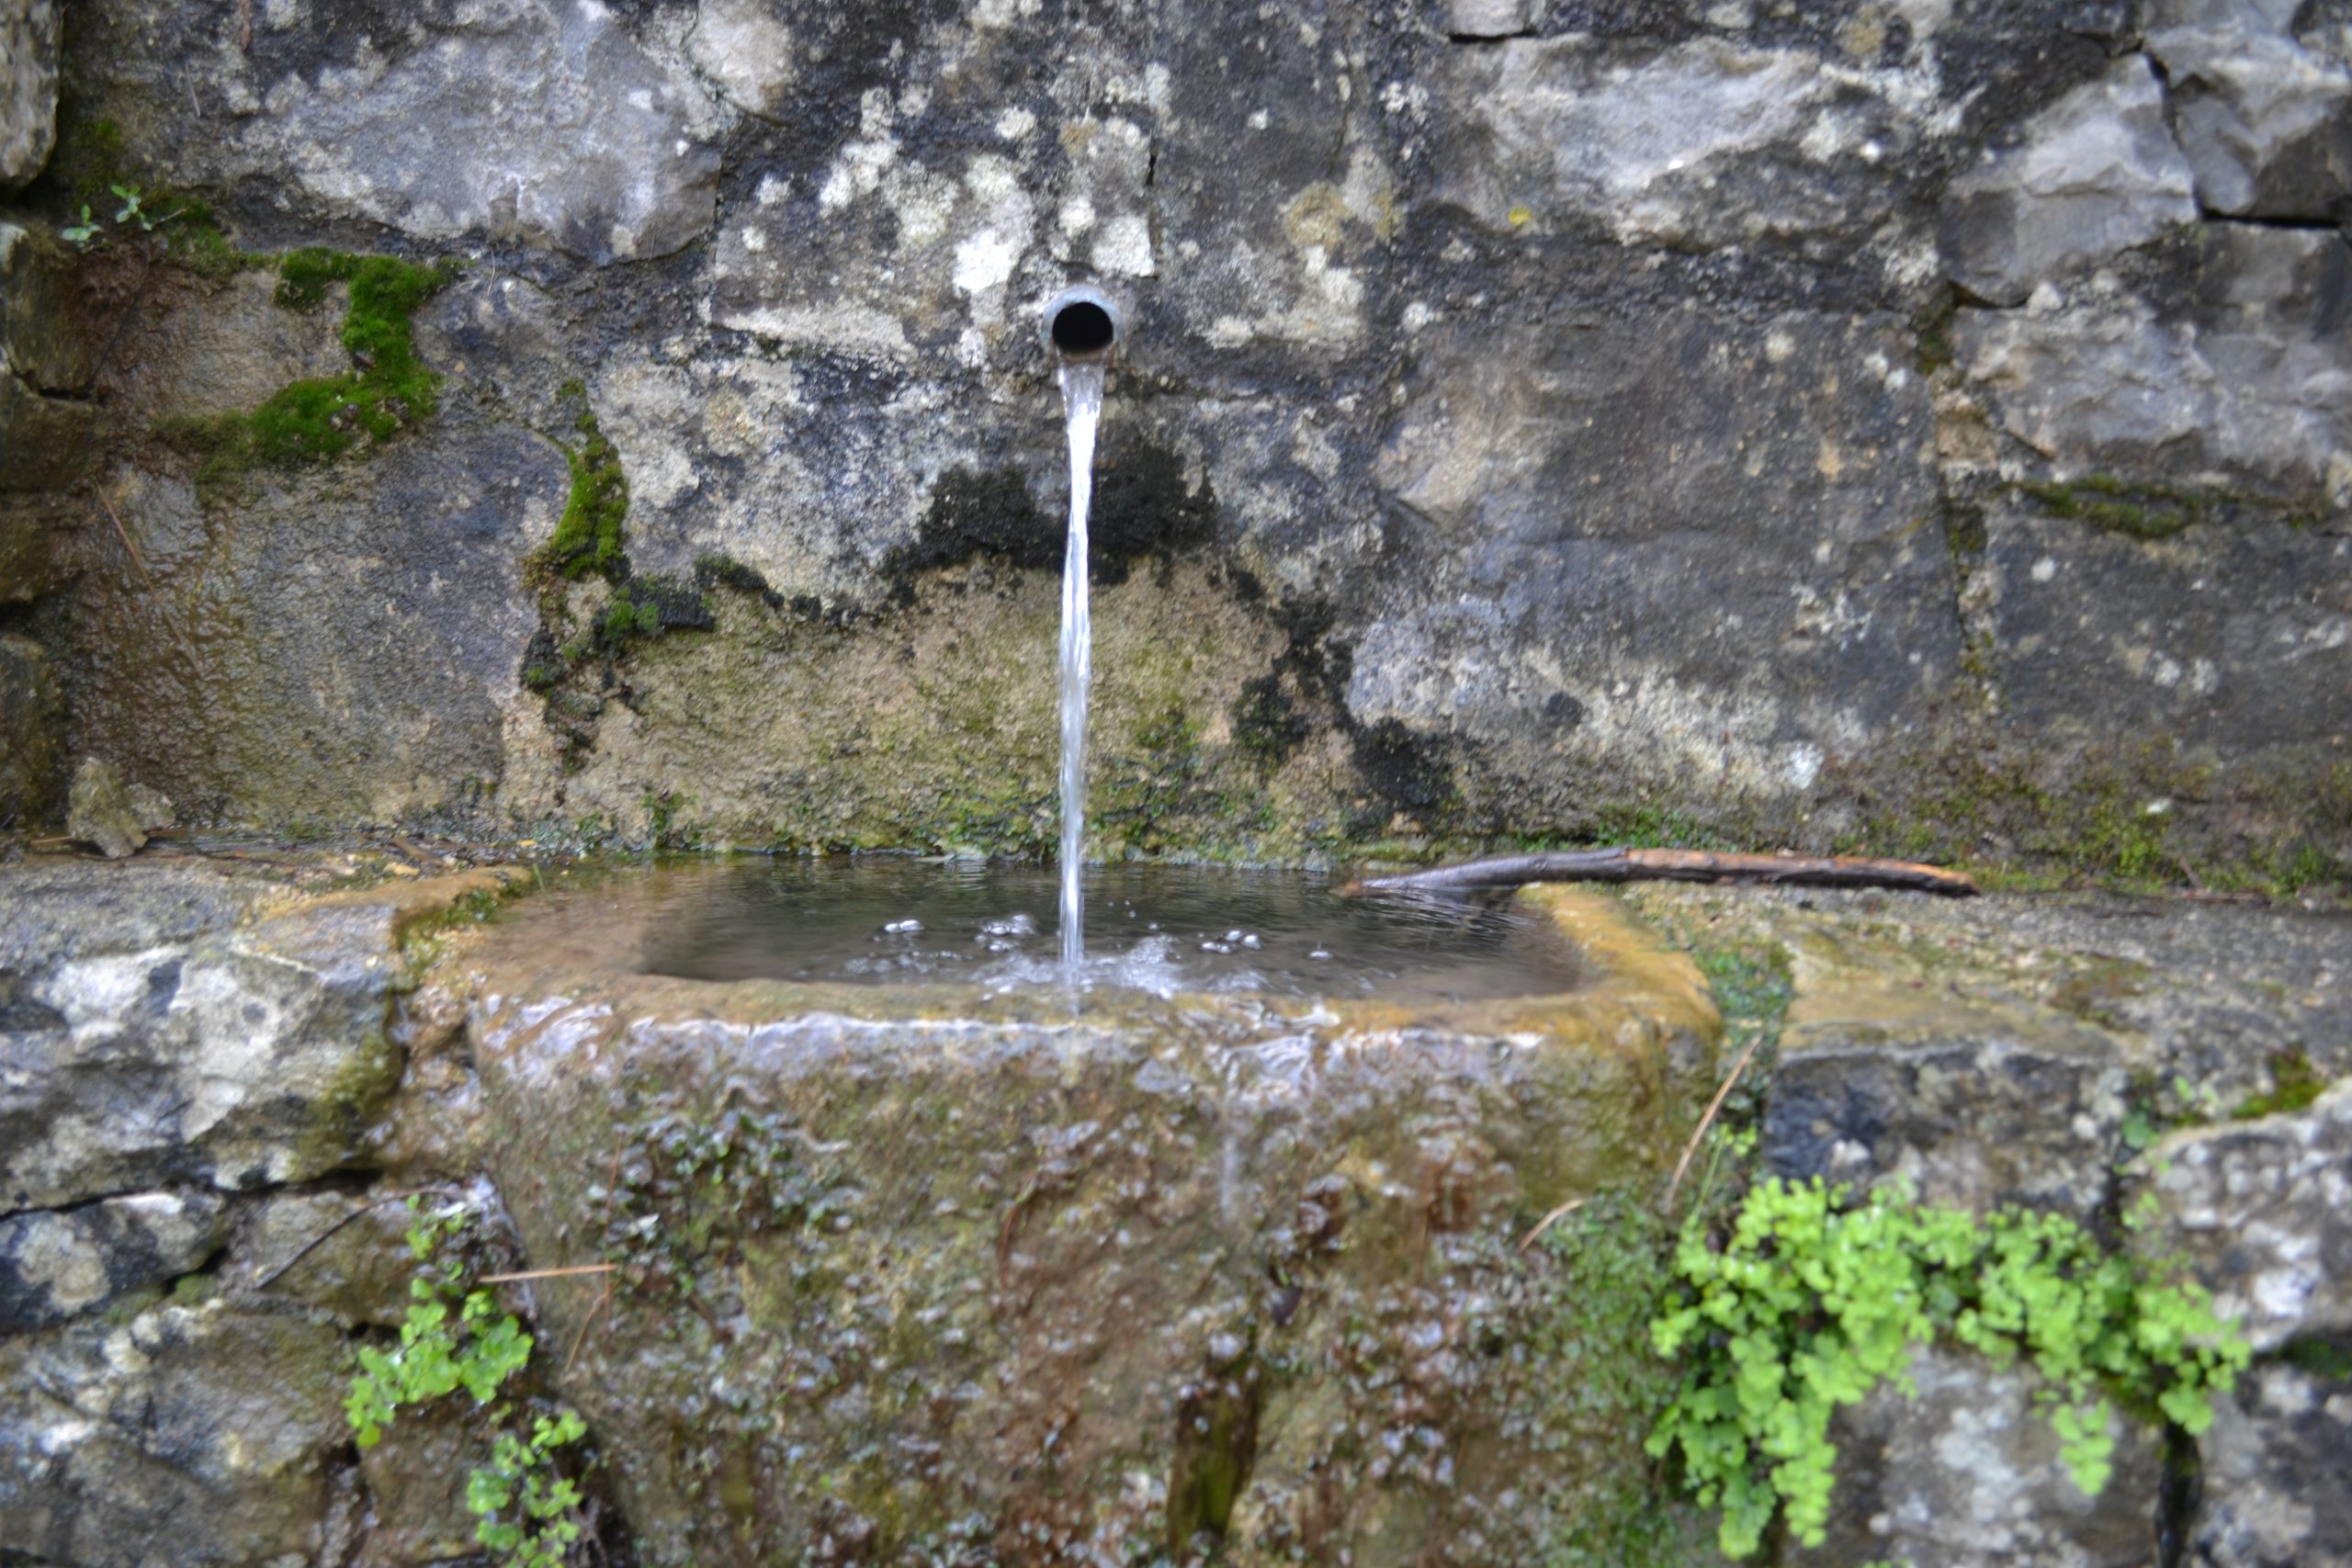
x=1894 y=424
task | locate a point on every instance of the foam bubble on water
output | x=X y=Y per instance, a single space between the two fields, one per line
x=1149 y=965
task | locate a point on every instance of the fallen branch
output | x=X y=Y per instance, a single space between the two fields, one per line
x=124 y=535
x=1546 y=1223
x=550 y=1273
x=1672 y=865
x=1714 y=1107
x=266 y=1280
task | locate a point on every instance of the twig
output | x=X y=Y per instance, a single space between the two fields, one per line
x=604 y=1299
x=124 y=535
x=548 y=1273
x=1673 y=865
x=1546 y=1224
x=1708 y=1121
x=245 y=25
x=304 y=1250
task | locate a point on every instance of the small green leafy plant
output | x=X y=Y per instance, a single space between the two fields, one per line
x=529 y=1513
x=90 y=231
x=531 y=1516
x=1812 y=1300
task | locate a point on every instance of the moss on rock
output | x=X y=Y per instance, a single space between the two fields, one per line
x=387 y=390
x=587 y=538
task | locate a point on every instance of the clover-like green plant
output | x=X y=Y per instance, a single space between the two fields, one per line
x=529 y=1513
x=541 y=1509
x=1812 y=1300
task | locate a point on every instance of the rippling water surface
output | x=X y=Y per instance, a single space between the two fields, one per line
x=1163 y=929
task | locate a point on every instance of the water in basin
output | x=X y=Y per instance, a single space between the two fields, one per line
x=1159 y=929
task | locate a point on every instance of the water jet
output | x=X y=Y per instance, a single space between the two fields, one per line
x=1081 y=328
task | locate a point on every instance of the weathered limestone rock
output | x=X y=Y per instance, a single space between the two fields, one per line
x=2263 y=1212
x=49 y=439
x=590 y=144
x=39 y=339
x=1972 y=1099
x=339 y=1252
x=2274 y=1465
x=28 y=39
x=2097 y=173
x=371 y=685
x=201 y=1433
x=1967 y=1474
x=2249 y=381
x=1706 y=143
x=1782 y=466
x=416 y=1489
x=225 y=350
x=29 y=563
x=2264 y=117
x=1994 y=1050
x=984 y=1278
x=747 y=47
x=29 y=715
x=1487 y=19
x=55 y=1263
x=164 y=1034
x=1325 y=221
x=2233 y=637
x=102 y=813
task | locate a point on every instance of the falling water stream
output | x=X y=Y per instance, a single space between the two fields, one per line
x=1083 y=401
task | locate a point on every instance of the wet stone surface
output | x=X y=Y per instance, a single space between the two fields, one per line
x=1054 y=1283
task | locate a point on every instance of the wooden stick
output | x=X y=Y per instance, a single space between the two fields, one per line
x=1714 y=1105
x=1546 y=1224
x=604 y=1299
x=1672 y=865
x=124 y=535
x=548 y=1273
x=376 y=1203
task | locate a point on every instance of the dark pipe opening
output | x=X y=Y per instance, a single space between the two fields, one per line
x=1083 y=328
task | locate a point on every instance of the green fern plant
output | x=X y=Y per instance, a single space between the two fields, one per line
x=1813 y=1300
x=529 y=1513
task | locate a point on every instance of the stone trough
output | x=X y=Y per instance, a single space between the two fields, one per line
x=912 y=1271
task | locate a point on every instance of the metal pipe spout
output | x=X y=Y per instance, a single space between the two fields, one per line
x=1082 y=325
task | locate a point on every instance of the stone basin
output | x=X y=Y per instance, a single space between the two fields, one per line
x=913 y=1273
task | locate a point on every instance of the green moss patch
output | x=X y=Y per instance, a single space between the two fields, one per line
x=387 y=390
x=588 y=535
x=2139 y=512
x=2150 y=510
x=389 y=387
x=2294 y=1084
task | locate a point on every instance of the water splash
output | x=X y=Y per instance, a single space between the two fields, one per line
x=1083 y=404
